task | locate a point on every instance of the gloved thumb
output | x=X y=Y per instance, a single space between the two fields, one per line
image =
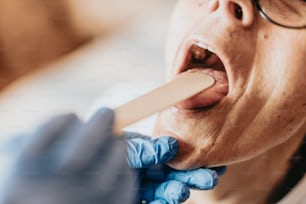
x=144 y=152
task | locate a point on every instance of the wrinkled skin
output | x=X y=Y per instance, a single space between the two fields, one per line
x=266 y=69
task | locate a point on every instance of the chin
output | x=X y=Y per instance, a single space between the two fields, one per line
x=198 y=133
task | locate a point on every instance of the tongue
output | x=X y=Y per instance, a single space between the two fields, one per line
x=210 y=96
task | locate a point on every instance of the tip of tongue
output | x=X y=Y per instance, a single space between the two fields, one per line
x=209 y=96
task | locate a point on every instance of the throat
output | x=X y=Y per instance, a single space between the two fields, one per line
x=295 y=173
x=264 y=179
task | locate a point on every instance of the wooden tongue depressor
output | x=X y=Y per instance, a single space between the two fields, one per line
x=180 y=88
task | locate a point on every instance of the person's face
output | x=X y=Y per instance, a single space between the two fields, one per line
x=265 y=67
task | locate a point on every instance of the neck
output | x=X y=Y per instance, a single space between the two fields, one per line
x=252 y=181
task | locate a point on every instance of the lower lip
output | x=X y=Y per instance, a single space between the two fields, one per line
x=210 y=96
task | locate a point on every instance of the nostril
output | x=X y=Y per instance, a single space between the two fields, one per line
x=238 y=11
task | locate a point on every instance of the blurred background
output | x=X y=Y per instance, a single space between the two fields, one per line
x=59 y=56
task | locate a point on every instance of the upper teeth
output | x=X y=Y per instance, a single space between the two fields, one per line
x=204 y=46
x=210 y=49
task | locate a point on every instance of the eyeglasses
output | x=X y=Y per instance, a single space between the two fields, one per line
x=284 y=13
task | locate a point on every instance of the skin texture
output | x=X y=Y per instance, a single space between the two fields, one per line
x=264 y=113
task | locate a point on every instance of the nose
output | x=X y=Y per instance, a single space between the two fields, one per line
x=240 y=12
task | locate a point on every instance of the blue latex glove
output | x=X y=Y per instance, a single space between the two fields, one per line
x=70 y=162
x=159 y=183
x=67 y=161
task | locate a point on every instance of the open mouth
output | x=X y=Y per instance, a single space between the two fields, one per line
x=201 y=58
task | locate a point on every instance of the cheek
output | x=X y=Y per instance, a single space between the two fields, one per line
x=196 y=136
x=279 y=65
x=282 y=51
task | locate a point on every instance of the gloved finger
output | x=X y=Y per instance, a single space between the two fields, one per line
x=159 y=201
x=202 y=179
x=171 y=191
x=143 y=153
x=48 y=134
x=91 y=138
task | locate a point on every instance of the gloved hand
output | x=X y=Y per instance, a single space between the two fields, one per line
x=70 y=162
x=160 y=184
